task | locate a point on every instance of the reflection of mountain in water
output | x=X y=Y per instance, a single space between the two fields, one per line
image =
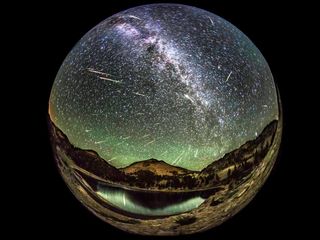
x=159 y=176
x=150 y=203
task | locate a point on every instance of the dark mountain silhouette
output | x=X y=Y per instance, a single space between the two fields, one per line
x=158 y=167
x=158 y=175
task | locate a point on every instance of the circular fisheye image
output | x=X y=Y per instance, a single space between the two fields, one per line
x=165 y=120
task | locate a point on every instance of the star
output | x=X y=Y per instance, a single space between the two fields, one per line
x=186 y=89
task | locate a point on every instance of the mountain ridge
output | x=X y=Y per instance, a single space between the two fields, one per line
x=159 y=167
x=157 y=174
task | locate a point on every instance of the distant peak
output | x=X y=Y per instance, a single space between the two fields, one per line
x=157 y=167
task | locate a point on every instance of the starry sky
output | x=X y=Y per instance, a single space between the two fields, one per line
x=164 y=81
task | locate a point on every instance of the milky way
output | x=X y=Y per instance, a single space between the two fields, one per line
x=169 y=82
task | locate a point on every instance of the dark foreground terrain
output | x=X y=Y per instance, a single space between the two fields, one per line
x=227 y=184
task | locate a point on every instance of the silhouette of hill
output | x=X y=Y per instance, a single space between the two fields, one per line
x=157 y=175
x=158 y=167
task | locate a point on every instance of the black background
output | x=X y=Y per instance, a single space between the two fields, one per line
x=50 y=30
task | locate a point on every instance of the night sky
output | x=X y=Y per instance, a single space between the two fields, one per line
x=169 y=82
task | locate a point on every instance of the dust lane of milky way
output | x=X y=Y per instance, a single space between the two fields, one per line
x=149 y=84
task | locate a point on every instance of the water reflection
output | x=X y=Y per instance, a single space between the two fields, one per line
x=150 y=204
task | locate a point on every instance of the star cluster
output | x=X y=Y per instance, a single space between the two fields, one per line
x=169 y=82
